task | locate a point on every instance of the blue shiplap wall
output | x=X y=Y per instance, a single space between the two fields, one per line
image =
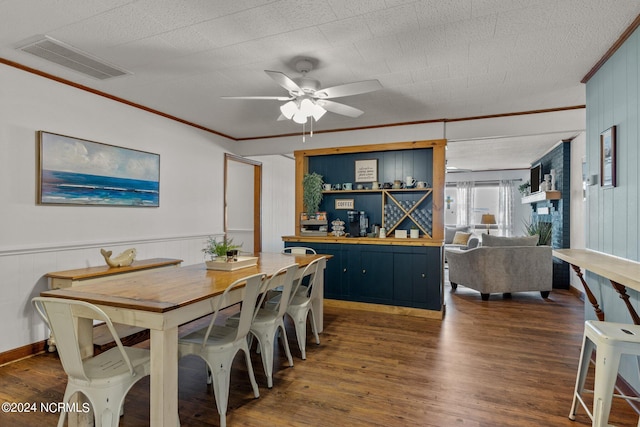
x=392 y=165
x=612 y=222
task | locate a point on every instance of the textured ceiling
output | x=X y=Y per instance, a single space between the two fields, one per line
x=435 y=59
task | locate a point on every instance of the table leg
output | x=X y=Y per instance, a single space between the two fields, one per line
x=622 y=290
x=164 y=378
x=318 y=304
x=590 y=296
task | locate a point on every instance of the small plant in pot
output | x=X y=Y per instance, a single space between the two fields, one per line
x=311 y=193
x=524 y=188
x=543 y=230
x=215 y=248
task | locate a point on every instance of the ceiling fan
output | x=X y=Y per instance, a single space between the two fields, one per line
x=306 y=99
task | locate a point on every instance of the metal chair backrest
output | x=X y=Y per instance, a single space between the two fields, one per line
x=253 y=286
x=286 y=277
x=61 y=316
x=308 y=277
x=299 y=250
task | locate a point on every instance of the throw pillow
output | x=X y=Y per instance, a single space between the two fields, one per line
x=490 y=240
x=450 y=233
x=461 y=238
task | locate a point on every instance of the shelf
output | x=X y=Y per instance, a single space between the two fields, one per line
x=541 y=196
x=387 y=190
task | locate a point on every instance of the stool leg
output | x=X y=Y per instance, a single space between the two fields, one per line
x=583 y=368
x=607 y=363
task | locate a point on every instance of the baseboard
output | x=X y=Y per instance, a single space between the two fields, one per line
x=577 y=292
x=22 y=352
x=381 y=308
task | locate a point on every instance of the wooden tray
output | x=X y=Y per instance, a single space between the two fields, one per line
x=242 y=262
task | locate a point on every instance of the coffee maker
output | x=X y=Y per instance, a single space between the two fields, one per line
x=358 y=223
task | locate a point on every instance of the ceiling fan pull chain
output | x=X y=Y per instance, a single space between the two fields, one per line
x=303 y=140
x=311 y=126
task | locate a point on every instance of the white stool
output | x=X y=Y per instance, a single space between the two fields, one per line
x=611 y=340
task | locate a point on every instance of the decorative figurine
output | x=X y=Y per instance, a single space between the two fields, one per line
x=124 y=259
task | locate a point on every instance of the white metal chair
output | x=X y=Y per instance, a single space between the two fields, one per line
x=104 y=379
x=610 y=340
x=303 y=250
x=217 y=345
x=301 y=305
x=268 y=322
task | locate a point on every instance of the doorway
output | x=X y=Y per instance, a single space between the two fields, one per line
x=242 y=202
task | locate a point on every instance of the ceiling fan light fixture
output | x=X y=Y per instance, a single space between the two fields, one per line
x=307 y=107
x=289 y=109
x=318 y=112
x=300 y=117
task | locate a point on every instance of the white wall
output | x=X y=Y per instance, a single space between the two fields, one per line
x=240 y=209
x=36 y=239
x=278 y=200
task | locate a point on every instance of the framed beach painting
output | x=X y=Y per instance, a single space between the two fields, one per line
x=73 y=171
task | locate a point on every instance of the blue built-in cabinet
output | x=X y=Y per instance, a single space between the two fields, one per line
x=399 y=272
x=405 y=276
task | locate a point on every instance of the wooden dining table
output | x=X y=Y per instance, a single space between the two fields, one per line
x=162 y=300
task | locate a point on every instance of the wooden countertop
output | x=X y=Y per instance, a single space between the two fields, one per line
x=622 y=271
x=105 y=270
x=364 y=240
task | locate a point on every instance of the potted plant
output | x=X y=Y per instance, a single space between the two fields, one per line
x=542 y=229
x=524 y=188
x=215 y=249
x=311 y=193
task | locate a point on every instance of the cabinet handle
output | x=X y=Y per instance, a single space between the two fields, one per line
x=423 y=275
x=344 y=271
x=364 y=271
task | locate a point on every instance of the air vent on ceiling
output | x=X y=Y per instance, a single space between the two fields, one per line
x=61 y=53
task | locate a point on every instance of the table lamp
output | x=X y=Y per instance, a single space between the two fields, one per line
x=488 y=219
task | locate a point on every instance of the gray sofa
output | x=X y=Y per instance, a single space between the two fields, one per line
x=502 y=265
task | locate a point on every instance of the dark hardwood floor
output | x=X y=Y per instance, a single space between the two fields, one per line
x=503 y=362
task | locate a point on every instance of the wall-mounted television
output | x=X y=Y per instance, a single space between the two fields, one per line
x=536 y=177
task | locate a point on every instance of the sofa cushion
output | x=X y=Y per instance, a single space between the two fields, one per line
x=450 y=232
x=461 y=238
x=493 y=241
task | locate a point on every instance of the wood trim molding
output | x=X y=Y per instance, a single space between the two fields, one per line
x=613 y=49
x=22 y=352
x=108 y=96
x=188 y=123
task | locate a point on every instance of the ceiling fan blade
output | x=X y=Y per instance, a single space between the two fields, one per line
x=284 y=81
x=274 y=98
x=282 y=117
x=348 y=89
x=336 y=107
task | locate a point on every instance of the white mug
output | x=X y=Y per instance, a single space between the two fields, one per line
x=421 y=184
x=327 y=187
x=409 y=182
x=375 y=185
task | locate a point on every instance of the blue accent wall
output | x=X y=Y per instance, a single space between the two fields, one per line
x=613 y=220
x=392 y=165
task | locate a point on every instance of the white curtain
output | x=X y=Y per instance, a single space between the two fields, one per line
x=506 y=205
x=464 y=214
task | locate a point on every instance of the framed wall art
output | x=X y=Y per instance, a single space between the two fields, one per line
x=608 y=157
x=366 y=170
x=73 y=171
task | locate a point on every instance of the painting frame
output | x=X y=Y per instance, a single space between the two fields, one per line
x=608 y=178
x=366 y=170
x=79 y=172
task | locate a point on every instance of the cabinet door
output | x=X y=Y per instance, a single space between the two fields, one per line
x=371 y=274
x=336 y=271
x=418 y=278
